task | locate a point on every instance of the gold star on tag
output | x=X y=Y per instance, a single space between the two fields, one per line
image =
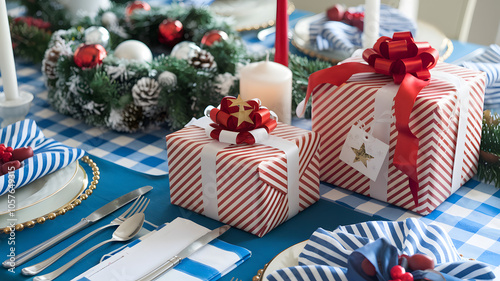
x=361 y=155
x=239 y=102
x=243 y=115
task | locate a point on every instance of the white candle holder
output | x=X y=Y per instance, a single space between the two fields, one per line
x=12 y=111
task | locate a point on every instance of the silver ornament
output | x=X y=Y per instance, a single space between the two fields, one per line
x=97 y=35
x=167 y=79
x=184 y=50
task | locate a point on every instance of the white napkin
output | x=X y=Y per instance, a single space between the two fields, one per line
x=141 y=257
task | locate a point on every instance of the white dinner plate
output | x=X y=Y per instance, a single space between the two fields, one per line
x=426 y=32
x=287 y=258
x=248 y=14
x=69 y=183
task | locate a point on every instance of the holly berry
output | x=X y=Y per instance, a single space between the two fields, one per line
x=368 y=267
x=397 y=272
x=6 y=156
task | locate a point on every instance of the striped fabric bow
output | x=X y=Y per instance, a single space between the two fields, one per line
x=338 y=255
x=238 y=121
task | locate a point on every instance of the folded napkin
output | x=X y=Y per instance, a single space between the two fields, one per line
x=144 y=255
x=335 y=35
x=337 y=255
x=489 y=62
x=49 y=155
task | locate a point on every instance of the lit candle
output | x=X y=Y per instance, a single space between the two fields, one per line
x=281 y=39
x=271 y=83
x=7 y=66
x=371 y=23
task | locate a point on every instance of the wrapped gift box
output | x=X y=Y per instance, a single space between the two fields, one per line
x=434 y=120
x=249 y=185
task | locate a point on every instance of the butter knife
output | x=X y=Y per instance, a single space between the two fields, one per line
x=84 y=222
x=186 y=252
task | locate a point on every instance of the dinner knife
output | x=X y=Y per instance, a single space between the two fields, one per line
x=186 y=252
x=84 y=222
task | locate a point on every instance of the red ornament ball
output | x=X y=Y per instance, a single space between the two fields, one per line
x=88 y=56
x=170 y=32
x=135 y=5
x=213 y=36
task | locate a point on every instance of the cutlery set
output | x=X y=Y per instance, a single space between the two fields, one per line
x=129 y=224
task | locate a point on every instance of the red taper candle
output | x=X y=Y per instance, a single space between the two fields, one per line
x=281 y=41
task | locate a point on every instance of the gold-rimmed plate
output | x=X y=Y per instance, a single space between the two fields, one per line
x=72 y=188
x=287 y=258
x=426 y=32
x=249 y=14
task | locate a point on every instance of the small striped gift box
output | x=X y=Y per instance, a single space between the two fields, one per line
x=438 y=115
x=245 y=186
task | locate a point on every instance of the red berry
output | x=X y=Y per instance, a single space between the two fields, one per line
x=420 y=262
x=407 y=277
x=6 y=157
x=10 y=166
x=9 y=149
x=368 y=267
x=22 y=153
x=397 y=271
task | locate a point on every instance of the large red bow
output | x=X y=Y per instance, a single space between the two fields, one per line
x=241 y=116
x=401 y=55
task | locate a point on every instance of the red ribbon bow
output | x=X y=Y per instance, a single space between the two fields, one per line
x=241 y=116
x=401 y=55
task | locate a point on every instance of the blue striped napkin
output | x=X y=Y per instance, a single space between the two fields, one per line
x=143 y=255
x=331 y=255
x=49 y=155
x=335 y=35
x=489 y=62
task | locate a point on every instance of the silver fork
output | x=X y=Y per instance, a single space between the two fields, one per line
x=138 y=206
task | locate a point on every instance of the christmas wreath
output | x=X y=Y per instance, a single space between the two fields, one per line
x=91 y=77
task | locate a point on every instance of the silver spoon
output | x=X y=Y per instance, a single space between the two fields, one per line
x=128 y=229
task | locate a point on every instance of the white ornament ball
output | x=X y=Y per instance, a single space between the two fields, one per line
x=109 y=19
x=184 y=50
x=134 y=50
x=97 y=35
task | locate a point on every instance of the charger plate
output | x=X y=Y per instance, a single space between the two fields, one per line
x=249 y=14
x=47 y=197
x=287 y=258
x=426 y=32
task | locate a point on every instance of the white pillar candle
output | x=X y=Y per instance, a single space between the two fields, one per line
x=271 y=83
x=7 y=66
x=85 y=8
x=409 y=8
x=371 y=23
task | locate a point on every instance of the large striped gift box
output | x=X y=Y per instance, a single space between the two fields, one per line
x=249 y=189
x=453 y=99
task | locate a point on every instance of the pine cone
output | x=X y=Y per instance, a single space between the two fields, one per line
x=132 y=117
x=202 y=59
x=49 y=63
x=146 y=93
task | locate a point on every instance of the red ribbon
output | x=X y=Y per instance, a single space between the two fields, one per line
x=225 y=119
x=408 y=62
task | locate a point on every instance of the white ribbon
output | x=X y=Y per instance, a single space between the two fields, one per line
x=209 y=171
x=381 y=129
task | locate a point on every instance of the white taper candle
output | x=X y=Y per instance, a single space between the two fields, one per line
x=7 y=65
x=371 y=23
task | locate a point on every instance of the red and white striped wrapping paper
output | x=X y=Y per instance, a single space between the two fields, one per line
x=434 y=120
x=251 y=179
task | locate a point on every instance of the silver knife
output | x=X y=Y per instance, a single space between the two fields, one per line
x=95 y=216
x=186 y=252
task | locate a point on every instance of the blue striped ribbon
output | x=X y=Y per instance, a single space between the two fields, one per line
x=49 y=155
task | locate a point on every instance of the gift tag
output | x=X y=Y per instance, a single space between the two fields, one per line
x=364 y=152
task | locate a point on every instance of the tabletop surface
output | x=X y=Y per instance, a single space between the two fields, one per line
x=128 y=161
